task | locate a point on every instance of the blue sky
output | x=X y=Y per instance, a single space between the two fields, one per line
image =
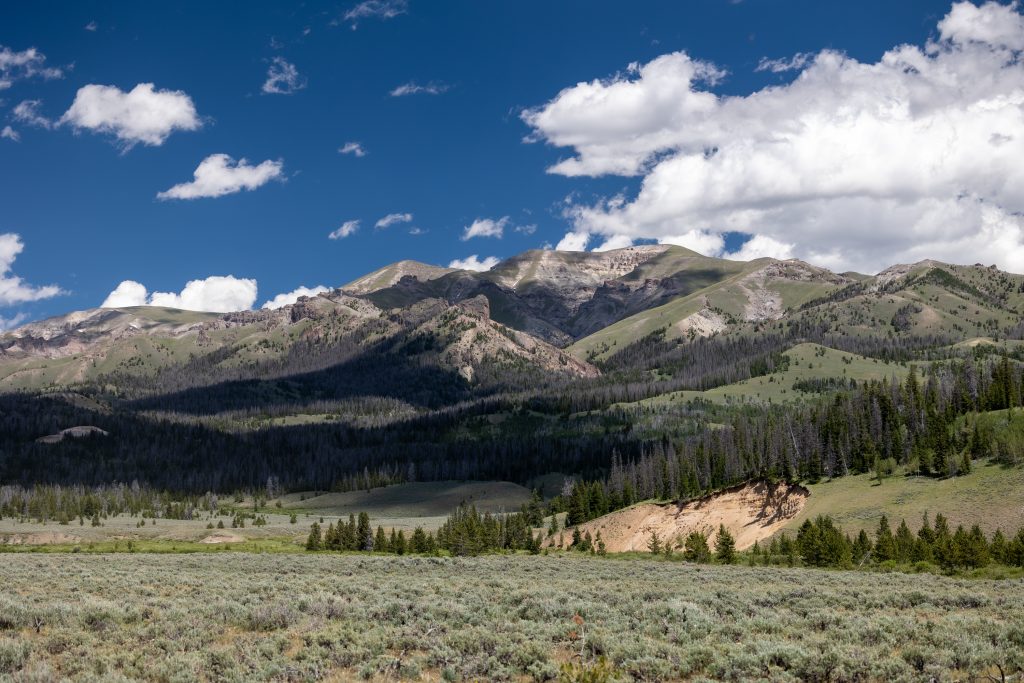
x=84 y=203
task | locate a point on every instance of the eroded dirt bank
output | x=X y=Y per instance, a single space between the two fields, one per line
x=751 y=512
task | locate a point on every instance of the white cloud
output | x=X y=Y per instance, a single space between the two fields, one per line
x=91 y=26
x=573 y=241
x=782 y=65
x=376 y=9
x=12 y=322
x=353 y=148
x=991 y=24
x=485 y=227
x=30 y=63
x=347 y=228
x=761 y=246
x=9 y=133
x=293 y=296
x=128 y=293
x=216 y=294
x=413 y=88
x=143 y=114
x=700 y=241
x=14 y=290
x=851 y=165
x=615 y=242
x=219 y=174
x=282 y=78
x=474 y=263
x=27 y=112
x=393 y=218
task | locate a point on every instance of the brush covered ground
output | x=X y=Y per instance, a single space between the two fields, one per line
x=248 y=617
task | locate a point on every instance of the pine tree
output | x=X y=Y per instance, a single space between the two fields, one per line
x=861 y=547
x=654 y=543
x=905 y=543
x=380 y=541
x=418 y=542
x=364 y=534
x=885 y=544
x=398 y=545
x=695 y=548
x=979 y=554
x=725 y=546
x=314 y=542
x=999 y=547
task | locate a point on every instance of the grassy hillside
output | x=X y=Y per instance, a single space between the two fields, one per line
x=991 y=496
x=763 y=289
x=807 y=362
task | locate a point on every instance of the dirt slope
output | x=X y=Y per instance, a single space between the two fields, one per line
x=751 y=512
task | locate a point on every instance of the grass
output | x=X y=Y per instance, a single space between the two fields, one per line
x=249 y=617
x=991 y=496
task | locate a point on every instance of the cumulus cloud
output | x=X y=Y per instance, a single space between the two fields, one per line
x=219 y=174
x=486 y=227
x=30 y=63
x=14 y=290
x=9 y=133
x=282 y=78
x=991 y=24
x=216 y=294
x=761 y=246
x=27 y=112
x=853 y=165
x=128 y=293
x=474 y=263
x=393 y=218
x=347 y=228
x=376 y=9
x=573 y=241
x=413 y=88
x=293 y=296
x=142 y=115
x=353 y=148
x=615 y=242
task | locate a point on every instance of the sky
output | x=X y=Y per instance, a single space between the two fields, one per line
x=200 y=156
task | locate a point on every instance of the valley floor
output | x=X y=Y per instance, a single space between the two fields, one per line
x=251 y=617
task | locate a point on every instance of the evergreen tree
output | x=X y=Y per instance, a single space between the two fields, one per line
x=418 y=542
x=364 y=534
x=885 y=544
x=654 y=543
x=314 y=542
x=398 y=543
x=999 y=547
x=725 y=546
x=905 y=543
x=861 y=548
x=695 y=548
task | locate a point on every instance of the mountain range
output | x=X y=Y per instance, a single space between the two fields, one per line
x=558 y=313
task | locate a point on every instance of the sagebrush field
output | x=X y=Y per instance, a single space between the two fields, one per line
x=252 y=617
